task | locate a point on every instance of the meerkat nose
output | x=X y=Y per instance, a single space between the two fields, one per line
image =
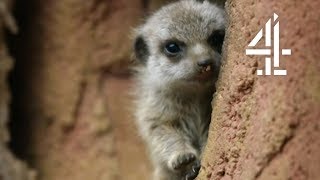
x=205 y=63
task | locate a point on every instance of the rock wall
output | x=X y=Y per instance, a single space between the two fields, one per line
x=267 y=127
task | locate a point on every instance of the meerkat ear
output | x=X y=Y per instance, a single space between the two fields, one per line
x=199 y=1
x=141 y=49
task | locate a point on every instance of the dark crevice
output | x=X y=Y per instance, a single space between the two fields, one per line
x=19 y=125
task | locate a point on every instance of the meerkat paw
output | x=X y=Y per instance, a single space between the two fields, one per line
x=182 y=160
x=193 y=173
x=185 y=164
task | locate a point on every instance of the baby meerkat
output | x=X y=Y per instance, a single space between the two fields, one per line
x=179 y=52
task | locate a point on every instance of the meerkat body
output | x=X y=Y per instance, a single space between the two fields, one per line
x=179 y=50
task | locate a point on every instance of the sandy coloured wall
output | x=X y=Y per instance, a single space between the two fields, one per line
x=267 y=127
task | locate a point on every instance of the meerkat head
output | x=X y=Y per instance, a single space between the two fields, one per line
x=181 y=43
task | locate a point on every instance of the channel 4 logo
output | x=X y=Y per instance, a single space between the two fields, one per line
x=271 y=46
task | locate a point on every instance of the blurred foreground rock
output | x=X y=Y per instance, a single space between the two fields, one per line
x=71 y=83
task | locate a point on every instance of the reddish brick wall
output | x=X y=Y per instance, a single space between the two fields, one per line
x=267 y=127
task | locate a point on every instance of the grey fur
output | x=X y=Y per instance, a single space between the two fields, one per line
x=200 y=0
x=173 y=106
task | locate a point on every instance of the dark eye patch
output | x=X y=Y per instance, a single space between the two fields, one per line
x=141 y=49
x=216 y=39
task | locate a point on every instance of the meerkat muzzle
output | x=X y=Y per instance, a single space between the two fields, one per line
x=205 y=73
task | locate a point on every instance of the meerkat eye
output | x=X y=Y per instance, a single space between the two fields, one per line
x=215 y=40
x=172 y=49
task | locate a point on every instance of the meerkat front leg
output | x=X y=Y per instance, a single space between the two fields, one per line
x=174 y=156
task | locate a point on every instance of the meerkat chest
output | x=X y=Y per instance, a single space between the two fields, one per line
x=195 y=116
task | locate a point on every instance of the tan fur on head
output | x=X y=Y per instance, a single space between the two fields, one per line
x=179 y=50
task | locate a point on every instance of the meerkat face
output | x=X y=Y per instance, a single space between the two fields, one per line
x=181 y=43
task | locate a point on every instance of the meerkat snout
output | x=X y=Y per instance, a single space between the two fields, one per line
x=205 y=63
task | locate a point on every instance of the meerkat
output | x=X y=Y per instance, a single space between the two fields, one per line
x=178 y=50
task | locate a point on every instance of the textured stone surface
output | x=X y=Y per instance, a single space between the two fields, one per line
x=267 y=127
